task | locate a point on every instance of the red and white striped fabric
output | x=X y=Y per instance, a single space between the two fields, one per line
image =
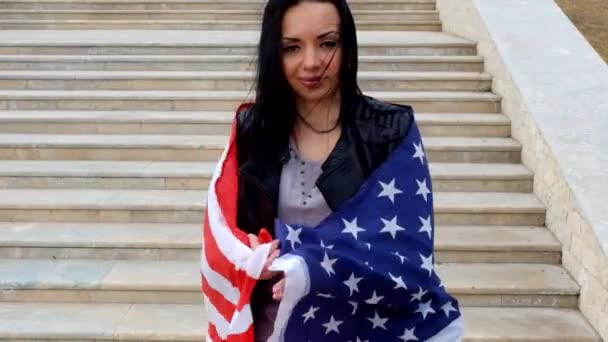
x=229 y=267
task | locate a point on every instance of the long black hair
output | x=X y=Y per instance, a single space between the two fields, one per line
x=271 y=120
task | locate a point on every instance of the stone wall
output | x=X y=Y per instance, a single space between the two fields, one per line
x=553 y=86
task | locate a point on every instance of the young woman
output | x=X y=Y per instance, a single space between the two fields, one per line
x=310 y=141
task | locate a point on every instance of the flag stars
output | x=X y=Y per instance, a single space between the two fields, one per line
x=408 y=335
x=377 y=321
x=423 y=190
x=352 y=228
x=389 y=190
x=418 y=296
x=328 y=264
x=419 y=152
x=352 y=283
x=391 y=227
x=332 y=325
x=293 y=236
x=375 y=299
x=427 y=263
x=399 y=283
x=401 y=257
x=447 y=308
x=326 y=246
x=426 y=226
x=425 y=309
x=310 y=314
x=355 y=306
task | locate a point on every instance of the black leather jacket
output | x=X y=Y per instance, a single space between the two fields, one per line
x=377 y=129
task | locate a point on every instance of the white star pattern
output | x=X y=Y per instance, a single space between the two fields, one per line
x=400 y=257
x=369 y=246
x=425 y=309
x=352 y=282
x=418 y=296
x=423 y=190
x=293 y=236
x=355 y=306
x=391 y=227
x=332 y=325
x=377 y=321
x=426 y=226
x=408 y=335
x=368 y=265
x=399 y=284
x=419 y=153
x=325 y=295
x=447 y=308
x=326 y=247
x=375 y=299
x=310 y=314
x=352 y=228
x=427 y=263
x=328 y=264
x=389 y=190
x=360 y=340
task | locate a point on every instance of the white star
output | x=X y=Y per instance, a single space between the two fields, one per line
x=377 y=321
x=418 y=296
x=425 y=309
x=352 y=228
x=325 y=295
x=419 y=153
x=368 y=265
x=369 y=246
x=332 y=325
x=427 y=263
x=389 y=190
x=391 y=227
x=328 y=264
x=447 y=308
x=360 y=340
x=399 y=284
x=423 y=190
x=426 y=226
x=355 y=306
x=310 y=314
x=400 y=257
x=327 y=247
x=375 y=299
x=408 y=335
x=293 y=236
x=352 y=282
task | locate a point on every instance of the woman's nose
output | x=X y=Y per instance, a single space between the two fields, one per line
x=312 y=59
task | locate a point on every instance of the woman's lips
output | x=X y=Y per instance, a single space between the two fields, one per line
x=311 y=82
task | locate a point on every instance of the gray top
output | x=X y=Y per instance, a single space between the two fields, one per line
x=300 y=203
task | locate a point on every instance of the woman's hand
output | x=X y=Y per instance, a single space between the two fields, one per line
x=272 y=254
x=278 y=288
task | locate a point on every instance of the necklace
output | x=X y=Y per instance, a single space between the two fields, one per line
x=318 y=131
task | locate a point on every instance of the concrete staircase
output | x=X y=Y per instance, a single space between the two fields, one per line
x=107 y=144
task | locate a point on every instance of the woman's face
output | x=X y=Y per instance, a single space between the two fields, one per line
x=311 y=49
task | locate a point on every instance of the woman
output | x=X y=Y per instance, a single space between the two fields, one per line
x=309 y=143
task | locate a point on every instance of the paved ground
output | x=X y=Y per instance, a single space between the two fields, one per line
x=591 y=18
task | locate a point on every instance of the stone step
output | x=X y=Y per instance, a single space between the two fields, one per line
x=228 y=80
x=68 y=24
x=182 y=322
x=151 y=147
x=462 y=244
x=223 y=62
x=215 y=42
x=51 y=174
x=186 y=206
x=178 y=282
x=217 y=123
x=250 y=5
x=194 y=15
x=223 y=100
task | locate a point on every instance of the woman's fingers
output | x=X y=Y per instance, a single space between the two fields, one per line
x=278 y=289
x=253 y=241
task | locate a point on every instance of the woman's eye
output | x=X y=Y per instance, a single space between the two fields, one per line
x=290 y=48
x=329 y=44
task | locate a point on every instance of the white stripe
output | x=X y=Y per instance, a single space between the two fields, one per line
x=217 y=282
x=297 y=285
x=233 y=249
x=241 y=321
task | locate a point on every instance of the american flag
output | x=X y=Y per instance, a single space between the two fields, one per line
x=365 y=273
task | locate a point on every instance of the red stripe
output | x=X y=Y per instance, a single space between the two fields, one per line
x=223 y=306
x=212 y=333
